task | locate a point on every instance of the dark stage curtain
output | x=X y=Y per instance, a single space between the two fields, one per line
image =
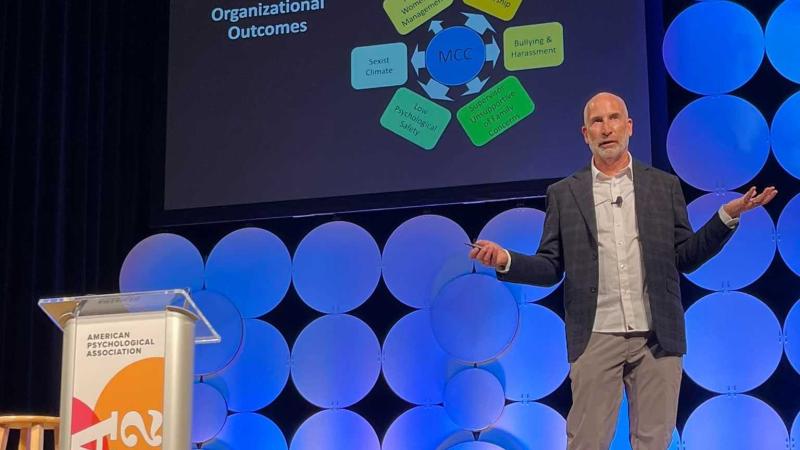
x=81 y=108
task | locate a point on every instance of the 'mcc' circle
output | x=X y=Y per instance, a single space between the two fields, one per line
x=455 y=55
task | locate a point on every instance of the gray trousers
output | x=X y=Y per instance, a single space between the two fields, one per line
x=652 y=381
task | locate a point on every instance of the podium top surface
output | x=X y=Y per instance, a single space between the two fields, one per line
x=60 y=309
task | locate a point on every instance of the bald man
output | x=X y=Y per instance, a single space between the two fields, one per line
x=620 y=231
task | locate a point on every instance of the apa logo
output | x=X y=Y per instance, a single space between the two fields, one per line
x=100 y=435
x=128 y=414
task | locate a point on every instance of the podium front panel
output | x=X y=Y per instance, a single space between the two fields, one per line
x=127 y=381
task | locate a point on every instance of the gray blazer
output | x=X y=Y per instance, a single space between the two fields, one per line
x=569 y=244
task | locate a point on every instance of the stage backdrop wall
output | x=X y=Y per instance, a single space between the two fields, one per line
x=355 y=325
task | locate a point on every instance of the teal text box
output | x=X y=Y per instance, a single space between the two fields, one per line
x=377 y=66
x=414 y=117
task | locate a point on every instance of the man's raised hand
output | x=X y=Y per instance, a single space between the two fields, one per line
x=750 y=200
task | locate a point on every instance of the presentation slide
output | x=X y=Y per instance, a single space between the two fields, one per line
x=296 y=100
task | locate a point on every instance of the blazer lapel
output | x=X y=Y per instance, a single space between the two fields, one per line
x=641 y=189
x=581 y=186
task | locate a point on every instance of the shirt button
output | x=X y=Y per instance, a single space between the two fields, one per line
x=619 y=243
x=622 y=266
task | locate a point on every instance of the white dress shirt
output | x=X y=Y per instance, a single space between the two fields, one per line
x=622 y=298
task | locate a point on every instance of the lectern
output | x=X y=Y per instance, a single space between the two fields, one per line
x=126 y=372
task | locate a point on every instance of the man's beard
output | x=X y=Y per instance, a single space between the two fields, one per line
x=613 y=153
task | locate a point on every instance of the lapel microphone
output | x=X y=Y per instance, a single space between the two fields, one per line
x=618 y=201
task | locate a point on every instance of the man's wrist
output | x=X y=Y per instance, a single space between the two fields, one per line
x=507 y=266
x=726 y=218
x=731 y=211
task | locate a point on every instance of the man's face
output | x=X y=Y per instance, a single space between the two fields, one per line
x=607 y=127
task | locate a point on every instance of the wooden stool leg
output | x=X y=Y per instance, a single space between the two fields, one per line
x=3 y=438
x=56 y=437
x=24 y=437
x=37 y=437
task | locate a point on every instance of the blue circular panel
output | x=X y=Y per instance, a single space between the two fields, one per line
x=248 y=431
x=621 y=439
x=226 y=319
x=336 y=267
x=785 y=138
x=518 y=229
x=477 y=445
x=474 y=399
x=335 y=361
x=704 y=55
x=162 y=261
x=424 y=427
x=208 y=412
x=725 y=131
x=455 y=55
x=528 y=426
x=789 y=234
x=783 y=39
x=436 y=240
x=733 y=341
x=335 y=429
x=259 y=371
x=414 y=365
x=252 y=268
x=745 y=257
x=734 y=422
x=474 y=318
x=541 y=333
x=791 y=332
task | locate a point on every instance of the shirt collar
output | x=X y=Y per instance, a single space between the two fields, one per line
x=627 y=171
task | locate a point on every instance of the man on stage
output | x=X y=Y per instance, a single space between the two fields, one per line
x=620 y=231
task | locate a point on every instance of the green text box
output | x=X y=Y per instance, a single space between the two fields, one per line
x=533 y=46
x=414 y=117
x=406 y=15
x=495 y=111
x=502 y=9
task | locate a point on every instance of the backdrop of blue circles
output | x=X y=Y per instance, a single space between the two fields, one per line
x=475 y=360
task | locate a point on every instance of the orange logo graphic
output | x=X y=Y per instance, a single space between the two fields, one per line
x=128 y=414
